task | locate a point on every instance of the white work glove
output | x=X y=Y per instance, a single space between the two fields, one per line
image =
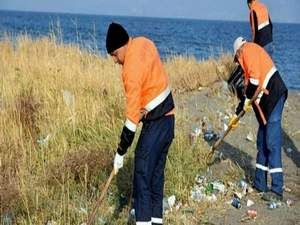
x=247 y=105
x=118 y=162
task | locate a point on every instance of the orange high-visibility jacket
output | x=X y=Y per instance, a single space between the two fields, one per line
x=261 y=24
x=260 y=72
x=145 y=81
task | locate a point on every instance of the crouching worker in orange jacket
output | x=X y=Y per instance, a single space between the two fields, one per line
x=267 y=92
x=148 y=99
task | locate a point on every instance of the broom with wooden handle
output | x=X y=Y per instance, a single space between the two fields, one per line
x=97 y=204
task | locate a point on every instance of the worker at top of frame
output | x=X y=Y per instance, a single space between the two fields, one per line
x=261 y=25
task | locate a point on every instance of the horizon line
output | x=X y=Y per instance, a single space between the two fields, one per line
x=136 y=16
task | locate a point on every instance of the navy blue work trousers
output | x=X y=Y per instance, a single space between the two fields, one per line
x=150 y=160
x=268 y=158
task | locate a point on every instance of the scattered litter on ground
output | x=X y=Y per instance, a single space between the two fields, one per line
x=203 y=193
x=289 y=202
x=235 y=202
x=238 y=195
x=244 y=186
x=194 y=134
x=274 y=205
x=44 y=141
x=210 y=135
x=218 y=186
x=209 y=189
x=243 y=183
x=249 y=203
x=171 y=201
x=286 y=189
x=168 y=203
x=250 y=137
x=205 y=190
x=200 y=179
x=252 y=213
x=225 y=126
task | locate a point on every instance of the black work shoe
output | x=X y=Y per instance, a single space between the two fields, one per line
x=271 y=196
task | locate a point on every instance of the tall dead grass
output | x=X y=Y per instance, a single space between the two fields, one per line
x=61 y=111
x=187 y=73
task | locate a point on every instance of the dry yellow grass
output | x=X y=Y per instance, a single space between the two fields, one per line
x=187 y=73
x=61 y=111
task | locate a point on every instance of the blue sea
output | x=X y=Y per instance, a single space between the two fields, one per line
x=202 y=39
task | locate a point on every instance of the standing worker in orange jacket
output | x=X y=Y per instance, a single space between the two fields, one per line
x=267 y=92
x=261 y=25
x=148 y=99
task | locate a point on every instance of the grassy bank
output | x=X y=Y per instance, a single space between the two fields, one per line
x=61 y=112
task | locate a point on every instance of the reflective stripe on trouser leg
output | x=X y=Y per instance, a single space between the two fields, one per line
x=274 y=146
x=143 y=223
x=156 y=221
x=260 y=181
x=148 y=153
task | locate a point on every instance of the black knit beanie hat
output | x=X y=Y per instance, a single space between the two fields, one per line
x=116 y=37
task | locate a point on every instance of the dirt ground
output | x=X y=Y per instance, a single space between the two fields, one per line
x=216 y=102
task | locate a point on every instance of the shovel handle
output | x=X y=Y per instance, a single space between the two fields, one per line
x=91 y=217
x=218 y=142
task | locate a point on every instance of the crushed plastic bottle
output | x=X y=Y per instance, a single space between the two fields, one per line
x=168 y=203
x=171 y=201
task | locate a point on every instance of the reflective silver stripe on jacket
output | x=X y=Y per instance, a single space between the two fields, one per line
x=158 y=99
x=264 y=24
